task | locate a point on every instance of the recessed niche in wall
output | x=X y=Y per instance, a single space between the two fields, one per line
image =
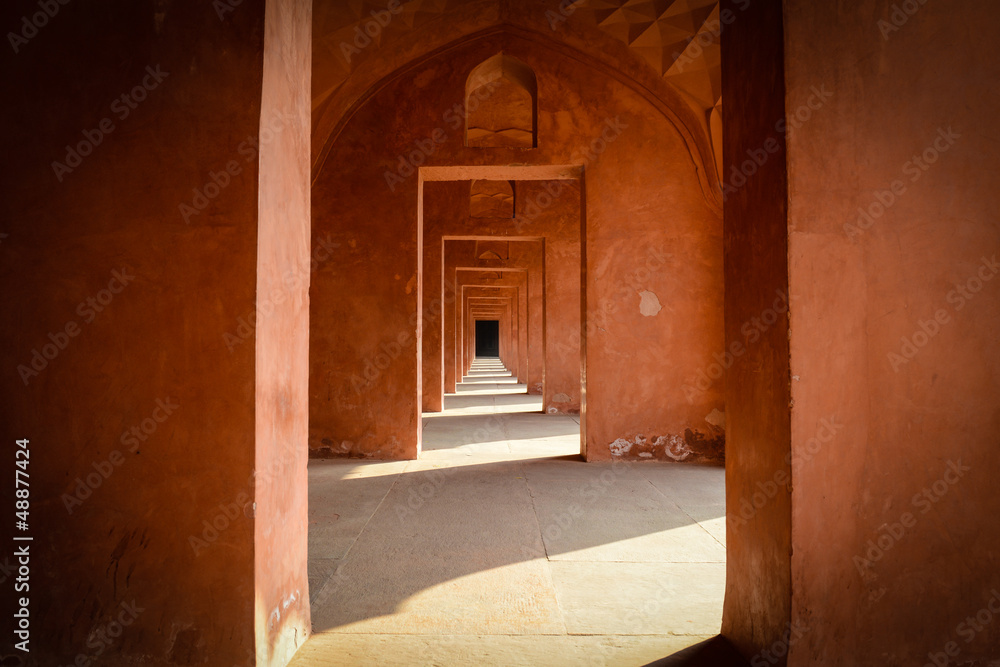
x=501 y=101
x=491 y=199
x=492 y=253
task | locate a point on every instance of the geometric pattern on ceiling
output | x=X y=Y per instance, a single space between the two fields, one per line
x=677 y=38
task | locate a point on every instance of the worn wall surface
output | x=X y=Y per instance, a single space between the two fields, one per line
x=893 y=244
x=650 y=229
x=139 y=404
x=654 y=292
x=758 y=486
x=284 y=264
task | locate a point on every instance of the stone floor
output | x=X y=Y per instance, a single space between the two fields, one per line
x=499 y=546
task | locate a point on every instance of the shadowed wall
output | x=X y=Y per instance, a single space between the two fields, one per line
x=134 y=254
x=893 y=246
x=653 y=256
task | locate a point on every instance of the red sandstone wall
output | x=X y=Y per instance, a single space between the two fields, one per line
x=650 y=230
x=894 y=332
x=758 y=486
x=145 y=389
x=282 y=342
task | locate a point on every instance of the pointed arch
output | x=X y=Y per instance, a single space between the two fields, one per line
x=501 y=96
x=491 y=199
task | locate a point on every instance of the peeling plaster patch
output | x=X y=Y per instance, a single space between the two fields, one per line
x=649 y=305
x=561 y=398
x=620 y=447
x=290 y=600
x=716 y=418
x=275 y=616
x=330 y=450
x=674 y=447
x=282 y=609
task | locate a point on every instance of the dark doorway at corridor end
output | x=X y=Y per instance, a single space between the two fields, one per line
x=488 y=338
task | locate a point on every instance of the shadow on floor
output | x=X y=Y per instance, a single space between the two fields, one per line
x=395 y=545
x=454 y=431
x=436 y=525
x=714 y=652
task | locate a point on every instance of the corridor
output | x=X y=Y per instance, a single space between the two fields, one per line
x=500 y=547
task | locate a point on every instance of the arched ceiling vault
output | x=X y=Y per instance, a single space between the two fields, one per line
x=667 y=50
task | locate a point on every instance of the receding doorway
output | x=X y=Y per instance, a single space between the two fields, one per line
x=488 y=338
